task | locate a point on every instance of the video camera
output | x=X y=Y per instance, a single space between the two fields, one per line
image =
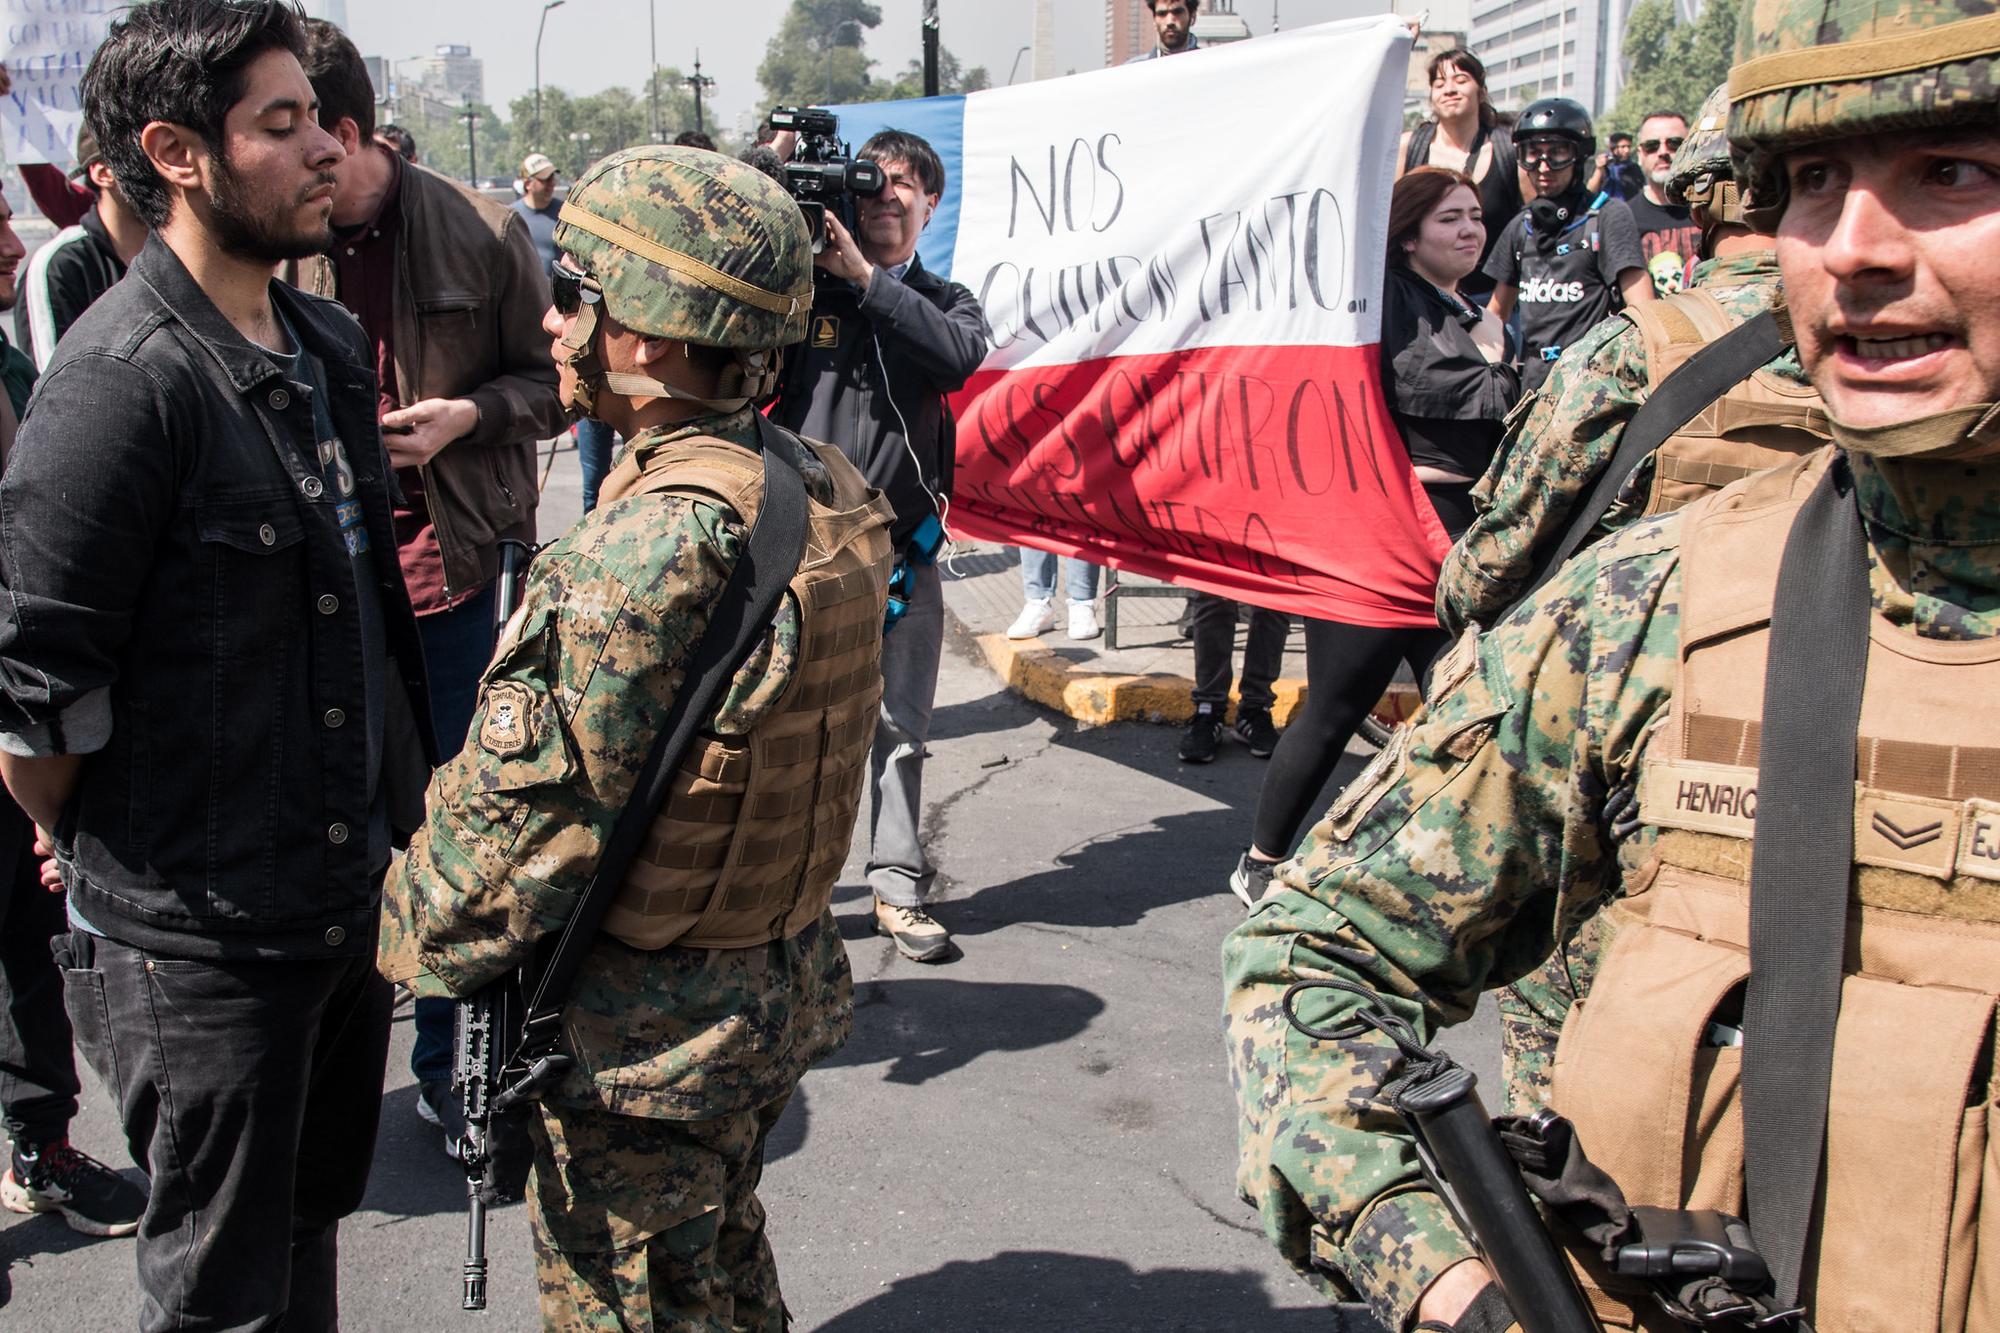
x=824 y=173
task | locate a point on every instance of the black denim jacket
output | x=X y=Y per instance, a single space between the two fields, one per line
x=180 y=609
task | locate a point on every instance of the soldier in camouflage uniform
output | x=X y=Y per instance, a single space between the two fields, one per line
x=1563 y=437
x=1517 y=804
x=721 y=975
x=1553 y=456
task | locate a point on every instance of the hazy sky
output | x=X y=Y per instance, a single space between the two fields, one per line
x=593 y=44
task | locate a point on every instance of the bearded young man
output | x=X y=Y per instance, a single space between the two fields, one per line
x=214 y=685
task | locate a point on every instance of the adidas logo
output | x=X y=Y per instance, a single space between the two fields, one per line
x=1546 y=291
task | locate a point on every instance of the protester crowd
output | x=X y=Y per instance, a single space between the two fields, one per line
x=253 y=647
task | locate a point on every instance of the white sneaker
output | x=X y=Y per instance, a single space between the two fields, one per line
x=1083 y=621
x=1036 y=618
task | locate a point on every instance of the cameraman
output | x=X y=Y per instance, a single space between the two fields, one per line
x=886 y=343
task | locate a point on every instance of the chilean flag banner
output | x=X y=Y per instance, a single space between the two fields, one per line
x=1181 y=263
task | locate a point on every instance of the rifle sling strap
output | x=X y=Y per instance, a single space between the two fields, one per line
x=1703 y=378
x=1801 y=862
x=736 y=624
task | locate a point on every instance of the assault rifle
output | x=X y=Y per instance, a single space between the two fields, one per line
x=488 y=1025
x=1700 y=1267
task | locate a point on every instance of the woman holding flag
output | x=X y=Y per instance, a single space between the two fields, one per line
x=1449 y=386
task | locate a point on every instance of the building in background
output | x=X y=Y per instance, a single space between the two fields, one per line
x=1128 y=30
x=1217 y=23
x=1045 y=41
x=452 y=74
x=1556 y=48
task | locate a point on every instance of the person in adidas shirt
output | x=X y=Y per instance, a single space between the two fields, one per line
x=1569 y=258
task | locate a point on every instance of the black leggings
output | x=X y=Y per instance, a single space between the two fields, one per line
x=1347 y=668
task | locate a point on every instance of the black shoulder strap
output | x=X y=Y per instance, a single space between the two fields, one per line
x=1800 y=863
x=735 y=626
x=1701 y=379
x=1420 y=145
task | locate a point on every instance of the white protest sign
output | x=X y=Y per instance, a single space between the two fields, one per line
x=46 y=45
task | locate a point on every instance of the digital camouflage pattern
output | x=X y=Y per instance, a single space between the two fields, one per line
x=587 y=671
x=735 y=223
x=1561 y=438
x=683 y=1056
x=1702 y=175
x=1495 y=825
x=1790 y=42
x=630 y=1236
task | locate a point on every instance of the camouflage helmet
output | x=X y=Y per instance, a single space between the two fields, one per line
x=692 y=245
x=1700 y=177
x=1810 y=71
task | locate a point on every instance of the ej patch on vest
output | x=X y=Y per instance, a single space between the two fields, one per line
x=509 y=728
x=826 y=331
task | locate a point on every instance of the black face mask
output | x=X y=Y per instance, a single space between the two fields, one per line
x=1550 y=214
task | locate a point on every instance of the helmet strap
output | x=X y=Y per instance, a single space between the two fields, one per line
x=745 y=380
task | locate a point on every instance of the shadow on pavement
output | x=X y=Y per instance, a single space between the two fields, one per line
x=1115 y=879
x=925 y=1028
x=411 y=1176
x=1023 y=1289
x=789 y=1134
x=23 y=1240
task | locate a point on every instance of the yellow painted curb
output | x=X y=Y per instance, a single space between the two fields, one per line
x=1094 y=698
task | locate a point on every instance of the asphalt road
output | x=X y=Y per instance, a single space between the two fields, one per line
x=1038 y=1134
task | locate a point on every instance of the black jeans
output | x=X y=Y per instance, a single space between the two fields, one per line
x=250 y=1091
x=38 y=1086
x=1212 y=627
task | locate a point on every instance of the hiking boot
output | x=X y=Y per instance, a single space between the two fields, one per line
x=438 y=1105
x=1083 y=621
x=1203 y=735
x=56 y=1178
x=1253 y=727
x=1037 y=618
x=1251 y=879
x=918 y=935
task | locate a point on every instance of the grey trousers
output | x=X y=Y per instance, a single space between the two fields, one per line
x=898 y=871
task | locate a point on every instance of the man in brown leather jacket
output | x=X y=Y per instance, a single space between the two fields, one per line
x=449 y=289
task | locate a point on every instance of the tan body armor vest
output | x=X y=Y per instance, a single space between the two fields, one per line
x=1646 y=1067
x=756 y=827
x=1763 y=422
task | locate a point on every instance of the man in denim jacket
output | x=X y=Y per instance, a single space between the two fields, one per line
x=212 y=681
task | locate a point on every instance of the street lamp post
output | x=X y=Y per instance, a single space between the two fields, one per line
x=470 y=118
x=1015 y=68
x=833 y=39
x=698 y=81
x=541 y=28
x=653 y=70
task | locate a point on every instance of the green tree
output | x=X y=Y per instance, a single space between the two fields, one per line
x=816 y=55
x=612 y=119
x=440 y=136
x=1672 y=65
x=953 y=77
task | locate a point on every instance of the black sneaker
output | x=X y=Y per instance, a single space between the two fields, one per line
x=1251 y=879
x=438 y=1105
x=1253 y=727
x=1203 y=736
x=56 y=1178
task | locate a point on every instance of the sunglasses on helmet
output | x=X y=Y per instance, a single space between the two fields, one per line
x=1653 y=145
x=569 y=289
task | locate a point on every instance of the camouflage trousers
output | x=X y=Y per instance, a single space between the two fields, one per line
x=644 y=1225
